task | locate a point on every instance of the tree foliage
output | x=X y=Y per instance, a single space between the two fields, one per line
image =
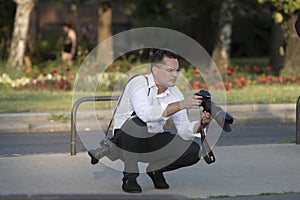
x=284 y=14
x=282 y=9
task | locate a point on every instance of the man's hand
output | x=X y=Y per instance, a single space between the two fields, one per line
x=193 y=101
x=205 y=118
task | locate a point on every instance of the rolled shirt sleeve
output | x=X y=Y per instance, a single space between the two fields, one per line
x=184 y=127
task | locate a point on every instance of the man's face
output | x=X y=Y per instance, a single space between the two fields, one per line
x=166 y=73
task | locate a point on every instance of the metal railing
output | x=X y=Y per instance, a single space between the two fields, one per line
x=74 y=112
x=298 y=121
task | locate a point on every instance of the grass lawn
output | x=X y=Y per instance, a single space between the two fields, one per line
x=35 y=101
x=46 y=101
x=262 y=94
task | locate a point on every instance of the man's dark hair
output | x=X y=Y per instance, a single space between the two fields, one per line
x=159 y=55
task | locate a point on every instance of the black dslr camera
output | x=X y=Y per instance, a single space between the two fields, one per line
x=223 y=118
x=107 y=148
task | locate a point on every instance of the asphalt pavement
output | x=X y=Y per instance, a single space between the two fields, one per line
x=242 y=171
x=59 y=142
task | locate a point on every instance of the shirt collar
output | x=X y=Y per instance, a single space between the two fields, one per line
x=152 y=84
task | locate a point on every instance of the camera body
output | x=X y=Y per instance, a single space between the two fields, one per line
x=108 y=148
x=206 y=100
x=223 y=118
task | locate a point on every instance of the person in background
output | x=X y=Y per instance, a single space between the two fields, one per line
x=28 y=52
x=69 y=44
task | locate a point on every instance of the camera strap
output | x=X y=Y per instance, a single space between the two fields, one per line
x=207 y=152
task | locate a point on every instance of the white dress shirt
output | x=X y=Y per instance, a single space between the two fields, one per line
x=142 y=98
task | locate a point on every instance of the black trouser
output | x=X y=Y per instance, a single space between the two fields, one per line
x=170 y=152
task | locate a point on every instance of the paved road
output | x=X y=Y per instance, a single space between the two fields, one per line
x=34 y=143
x=259 y=134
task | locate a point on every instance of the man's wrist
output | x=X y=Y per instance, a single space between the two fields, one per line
x=199 y=128
x=182 y=105
x=203 y=124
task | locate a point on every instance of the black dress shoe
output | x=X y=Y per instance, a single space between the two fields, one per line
x=130 y=185
x=158 y=180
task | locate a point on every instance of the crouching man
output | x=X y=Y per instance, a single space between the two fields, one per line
x=152 y=99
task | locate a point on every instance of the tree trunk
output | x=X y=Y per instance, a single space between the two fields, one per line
x=292 y=58
x=221 y=50
x=104 y=29
x=277 y=48
x=21 y=25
